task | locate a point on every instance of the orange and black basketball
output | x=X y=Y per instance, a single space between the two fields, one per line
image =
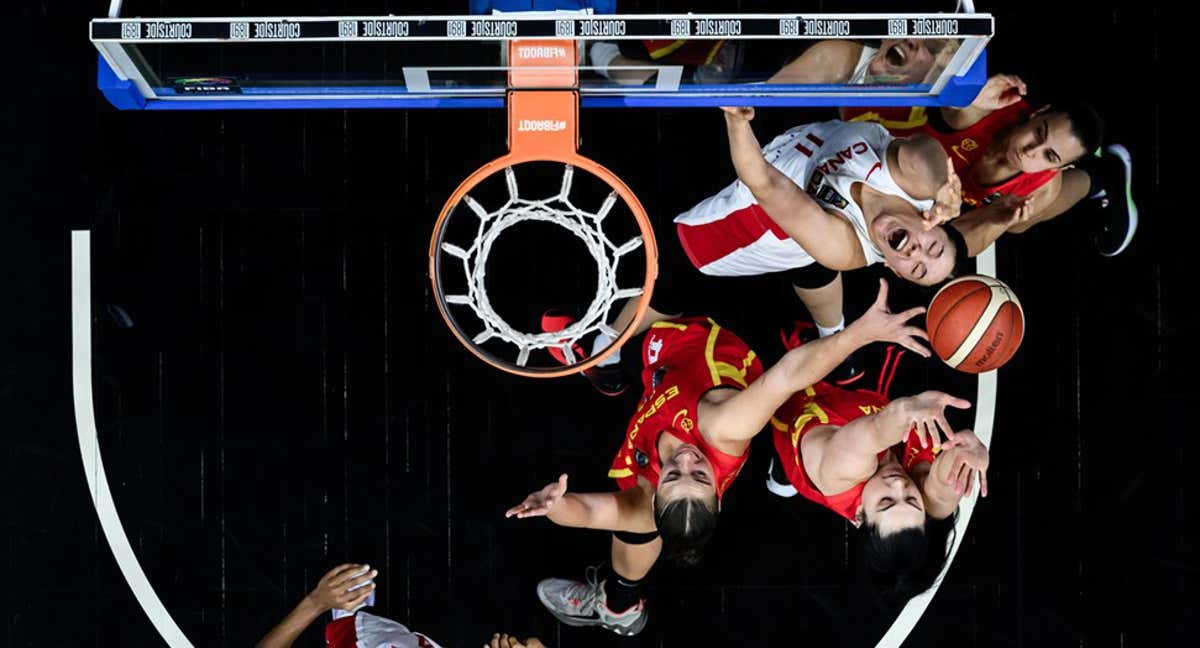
x=975 y=323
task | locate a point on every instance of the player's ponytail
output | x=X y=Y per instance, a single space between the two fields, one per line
x=686 y=525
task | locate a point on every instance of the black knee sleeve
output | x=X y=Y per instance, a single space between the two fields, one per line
x=635 y=538
x=812 y=276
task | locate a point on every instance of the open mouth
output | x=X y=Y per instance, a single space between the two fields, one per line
x=896 y=55
x=898 y=239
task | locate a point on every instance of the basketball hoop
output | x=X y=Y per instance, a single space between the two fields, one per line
x=543 y=111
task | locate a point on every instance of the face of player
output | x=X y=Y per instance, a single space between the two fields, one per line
x=924 y=257
x=686 y=473
x=1042 y=142
x=902 y=61
x=891 y=500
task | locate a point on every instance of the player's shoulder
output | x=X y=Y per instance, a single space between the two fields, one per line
x=861 y=128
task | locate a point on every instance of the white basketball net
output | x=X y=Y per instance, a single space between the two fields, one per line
x=559 y=210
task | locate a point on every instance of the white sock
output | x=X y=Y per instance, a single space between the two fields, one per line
x=603 y=340
x=602 y=55
x=826 y=332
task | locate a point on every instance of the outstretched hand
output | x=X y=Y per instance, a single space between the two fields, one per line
x=947 y=202
x=969 y=460
x=507 y=641
x=924 y=415
x=879 y=324
x=738 y=114
x=540 y=502
x=1000 y=91
x=1014 y=210
x=345 y=587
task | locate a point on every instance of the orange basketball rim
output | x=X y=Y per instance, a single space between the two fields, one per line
x=543 y=126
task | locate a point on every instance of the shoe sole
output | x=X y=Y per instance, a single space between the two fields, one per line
x=609 y=392
x=775 y=487
x=1123 y=154
x=851 y=380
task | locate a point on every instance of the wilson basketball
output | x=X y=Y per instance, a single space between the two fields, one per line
x=975 y=323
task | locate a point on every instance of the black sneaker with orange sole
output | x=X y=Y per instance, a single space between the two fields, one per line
x=844 y=375
x=606 y=379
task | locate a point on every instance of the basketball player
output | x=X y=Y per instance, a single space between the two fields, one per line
x=895 y=61
x=842 y=449
x=706 y=396
x=1002 y=146
x=345 y=590
x=830 y=195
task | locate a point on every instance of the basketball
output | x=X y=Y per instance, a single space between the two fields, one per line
x=975 y=323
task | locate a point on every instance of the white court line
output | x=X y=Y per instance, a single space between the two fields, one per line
x=89 y=447
x=985 y=413
x=118 y=541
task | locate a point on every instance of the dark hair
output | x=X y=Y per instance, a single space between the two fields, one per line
x=1086 y=124
x=908 y=562
x=686 y=525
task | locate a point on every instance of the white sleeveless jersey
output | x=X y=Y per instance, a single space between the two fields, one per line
x=372 y=631
x=729 y=234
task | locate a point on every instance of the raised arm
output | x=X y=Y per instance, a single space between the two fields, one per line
x=344 y=587
x=741 y=417
x=627 y=510
x=1000 y=91
x=981 y=226
x=849 y=454
x=830 y=239
x=828 y=61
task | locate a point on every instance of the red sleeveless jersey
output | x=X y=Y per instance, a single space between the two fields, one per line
x=966 y=147
x=683 y=359
x=825 y=404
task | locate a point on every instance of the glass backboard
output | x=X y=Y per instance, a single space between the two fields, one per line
x=631 y=60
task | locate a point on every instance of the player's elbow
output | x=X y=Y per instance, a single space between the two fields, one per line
x=838 y=262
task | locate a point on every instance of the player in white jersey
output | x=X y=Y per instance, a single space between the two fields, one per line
x=345 y=590
x=819 y=199
x=814 y=167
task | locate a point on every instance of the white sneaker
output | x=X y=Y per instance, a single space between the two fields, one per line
x=782 y=490
x=583 y=604
x=1118 y=219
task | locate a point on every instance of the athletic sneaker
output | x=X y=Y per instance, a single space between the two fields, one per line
x=1118 y=214
x=777 y=481
x=583 y=604
x=845 y=374
x=607 y=379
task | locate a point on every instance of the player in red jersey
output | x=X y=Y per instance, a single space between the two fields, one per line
x=706 y=396
x=1001 y=146
x=842 y=449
